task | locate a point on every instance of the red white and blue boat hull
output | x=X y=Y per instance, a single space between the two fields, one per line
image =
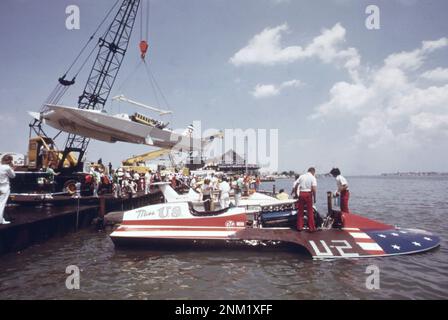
x=359 y=238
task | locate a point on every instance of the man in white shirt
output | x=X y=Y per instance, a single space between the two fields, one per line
x=214 y=182
x=193 y=182
x=306 y=191
x=6 y=173
x=343 y=191
x=147 y=182
x=96 y=179
x=224 y=193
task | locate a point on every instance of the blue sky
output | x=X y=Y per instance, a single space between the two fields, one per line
x=368 y=101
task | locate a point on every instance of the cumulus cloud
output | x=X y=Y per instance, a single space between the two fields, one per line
x=391 y=105
x=270 y=90
x=265 y=90
x=266 y=48
x=438 y=74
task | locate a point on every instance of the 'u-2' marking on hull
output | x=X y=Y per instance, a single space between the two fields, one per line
x=339 y=245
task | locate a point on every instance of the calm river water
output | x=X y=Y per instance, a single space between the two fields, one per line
x=106 y=273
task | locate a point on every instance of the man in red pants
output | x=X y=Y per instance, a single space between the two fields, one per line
x=306 y=190
x=342 y=191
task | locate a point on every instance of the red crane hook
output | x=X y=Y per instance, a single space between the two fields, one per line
x=143 y=48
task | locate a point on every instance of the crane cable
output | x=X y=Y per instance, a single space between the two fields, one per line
x=90 y=39
x=143 y=45
x=144 y=38
x=63 y=85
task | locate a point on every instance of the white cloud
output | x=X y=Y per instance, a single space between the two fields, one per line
x=292 y=83
x=438 y=74
x=270 y=90
x=265 y=48
x=265 y=90
x=390 y=104
x=429 y=46
x=430 y=123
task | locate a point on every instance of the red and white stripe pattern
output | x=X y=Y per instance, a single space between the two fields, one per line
x=364 y=241
x=220 y=227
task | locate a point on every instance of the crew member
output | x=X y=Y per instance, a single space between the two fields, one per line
x=294 y=192
x=51 y=174
x=306 y=189
x=238 y=185
x=224 y=193
x=206 y=193
x=96 y=179
x=148 y=178
x=6 y=173
x=342 y=191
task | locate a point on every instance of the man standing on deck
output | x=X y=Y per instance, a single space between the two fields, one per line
x=342 y=191
x=306 y=189
x=148 y=178
x=224 y=193
x=6 y=173
x=51 y=174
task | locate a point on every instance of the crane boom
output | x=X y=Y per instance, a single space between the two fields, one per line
x=145 y=157
x=112 y=48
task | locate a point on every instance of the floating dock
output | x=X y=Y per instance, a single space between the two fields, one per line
x=34 y=224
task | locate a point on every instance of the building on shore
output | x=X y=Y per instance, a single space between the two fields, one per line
x=231 y=163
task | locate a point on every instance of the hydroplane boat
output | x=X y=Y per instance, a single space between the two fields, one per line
x=136 y=128
x=342 y=235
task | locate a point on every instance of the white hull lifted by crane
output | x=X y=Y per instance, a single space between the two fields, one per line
x=99 y=125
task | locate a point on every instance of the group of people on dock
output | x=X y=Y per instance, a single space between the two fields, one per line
x=122 y=182
x=305 y=190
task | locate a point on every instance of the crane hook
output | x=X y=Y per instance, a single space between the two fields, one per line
x=143 y=49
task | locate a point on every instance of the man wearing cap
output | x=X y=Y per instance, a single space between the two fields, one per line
x=306 y=190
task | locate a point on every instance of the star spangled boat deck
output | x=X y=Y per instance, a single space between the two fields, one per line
x=179 y=224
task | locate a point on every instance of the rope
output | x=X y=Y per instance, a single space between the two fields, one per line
x=147 y=19
x=157 y=85
x=152 y=85
x=141 y=21
x=57 y=93
x=92 y=37
x=129 y=76
x=85 y=61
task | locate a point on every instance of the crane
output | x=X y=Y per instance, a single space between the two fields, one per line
x=112 y=48
x=136 y=160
